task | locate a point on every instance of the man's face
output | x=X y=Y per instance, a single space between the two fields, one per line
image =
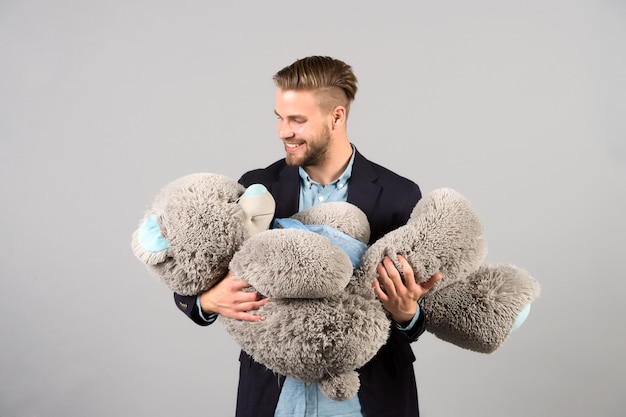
x=302 y=127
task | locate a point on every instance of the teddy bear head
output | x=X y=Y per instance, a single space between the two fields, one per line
x=195 y=225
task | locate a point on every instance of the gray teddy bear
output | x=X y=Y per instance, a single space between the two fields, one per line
x=323 y=321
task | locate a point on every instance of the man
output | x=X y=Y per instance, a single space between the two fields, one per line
x=312 y=104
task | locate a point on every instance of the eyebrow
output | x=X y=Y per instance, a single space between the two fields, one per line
x=291 y=116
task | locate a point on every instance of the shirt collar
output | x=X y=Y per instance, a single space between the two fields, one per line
x=339 y=182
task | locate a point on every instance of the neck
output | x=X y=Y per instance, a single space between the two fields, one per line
x=334 y=164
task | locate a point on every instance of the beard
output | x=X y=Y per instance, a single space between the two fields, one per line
x=317 y=149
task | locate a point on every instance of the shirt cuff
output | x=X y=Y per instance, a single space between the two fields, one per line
x=208 y=319
x=411 y=323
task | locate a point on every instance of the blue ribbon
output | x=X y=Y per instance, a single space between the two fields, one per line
x=354 y=248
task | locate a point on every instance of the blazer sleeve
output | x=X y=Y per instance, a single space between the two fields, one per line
x=188 y=305
x=413 y=333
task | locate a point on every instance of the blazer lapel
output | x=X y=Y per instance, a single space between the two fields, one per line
x=286 y=192
x=362 y=189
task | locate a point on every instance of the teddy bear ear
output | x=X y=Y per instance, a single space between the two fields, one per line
x=148 y=243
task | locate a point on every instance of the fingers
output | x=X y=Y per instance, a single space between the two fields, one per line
x=229 y=298
x=247 y=317
x=388 y=277
x=408 y=273
x=431 y=282
x=393 y=281
x=237 y=284
x=242 y=311
x=380 y=293
x=243 y=302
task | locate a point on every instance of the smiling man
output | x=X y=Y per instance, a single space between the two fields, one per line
x=315 y=138
x=313 y=100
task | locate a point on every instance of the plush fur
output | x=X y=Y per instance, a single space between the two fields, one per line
x=200 y=219
x=323 y=320
x=474 y=306
x=316 y=329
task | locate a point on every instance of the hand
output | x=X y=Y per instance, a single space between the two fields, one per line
x=400 y=297
x=229 y=299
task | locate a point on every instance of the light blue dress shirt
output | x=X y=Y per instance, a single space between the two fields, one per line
x=299 y=398
x=304 y=399
x=313 y=193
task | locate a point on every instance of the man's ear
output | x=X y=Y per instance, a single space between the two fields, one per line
x=148 y=243
x=338 y=116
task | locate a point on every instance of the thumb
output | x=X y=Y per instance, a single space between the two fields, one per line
x=432 y=281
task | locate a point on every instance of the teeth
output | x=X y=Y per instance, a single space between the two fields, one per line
x=291 y=145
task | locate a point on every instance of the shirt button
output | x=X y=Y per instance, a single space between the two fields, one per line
x=307 y=383
x=320 y=198
x=339 y=185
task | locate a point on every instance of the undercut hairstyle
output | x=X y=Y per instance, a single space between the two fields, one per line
x=332 y=81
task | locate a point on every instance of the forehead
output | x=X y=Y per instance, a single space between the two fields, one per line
x=291 y=102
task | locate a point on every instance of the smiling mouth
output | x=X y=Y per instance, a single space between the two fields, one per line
x=292 y=147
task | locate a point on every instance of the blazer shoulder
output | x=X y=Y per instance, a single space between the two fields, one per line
x=402 y=193
x=396 y=180
x=265 y=176
x=386 y=198
x=386 y=178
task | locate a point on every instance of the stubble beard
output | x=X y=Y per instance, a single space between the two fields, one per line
x=317 y=149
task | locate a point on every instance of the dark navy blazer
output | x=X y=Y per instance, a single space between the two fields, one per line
x=388 y=385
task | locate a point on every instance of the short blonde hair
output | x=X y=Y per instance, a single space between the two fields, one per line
x=331 y=80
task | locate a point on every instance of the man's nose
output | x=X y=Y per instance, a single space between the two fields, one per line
x=284 y=131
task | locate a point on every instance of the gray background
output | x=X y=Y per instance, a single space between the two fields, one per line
x=518 y=105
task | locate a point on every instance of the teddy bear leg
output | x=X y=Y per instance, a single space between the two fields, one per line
x=340 y=387
x=480 y=312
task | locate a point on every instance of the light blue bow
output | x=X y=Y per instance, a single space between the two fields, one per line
x=354 y=248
